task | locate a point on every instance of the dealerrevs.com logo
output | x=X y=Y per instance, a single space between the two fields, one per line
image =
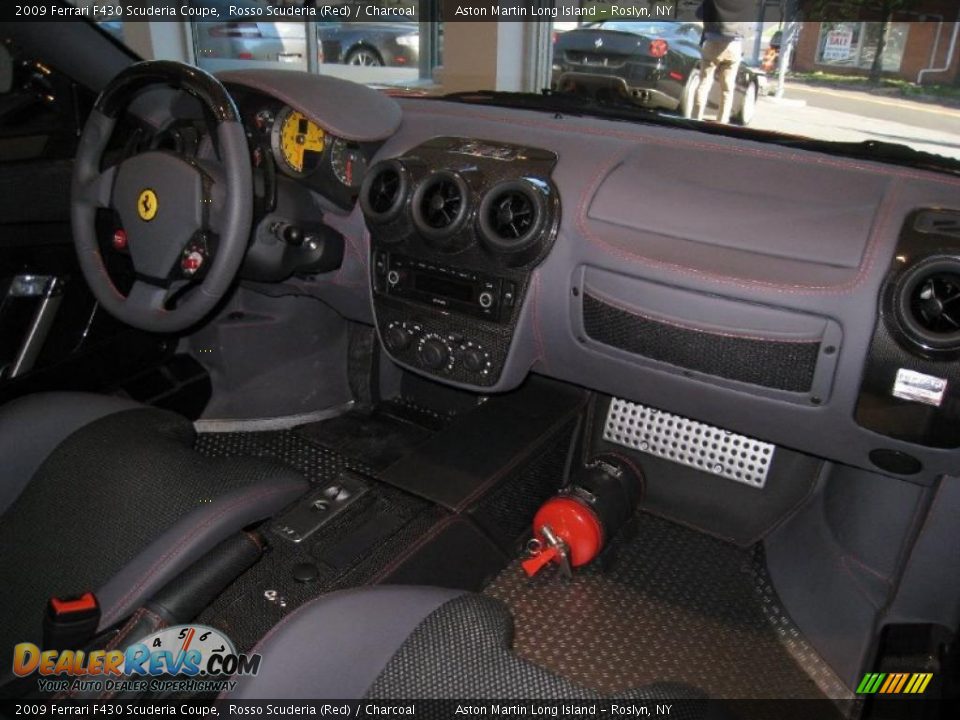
x=186 y=657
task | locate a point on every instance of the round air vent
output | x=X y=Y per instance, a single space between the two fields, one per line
x=927 y=303
x=384 y=191
x=511 y=217
x=440 y=205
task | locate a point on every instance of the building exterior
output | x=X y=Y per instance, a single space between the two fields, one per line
x=913 y=45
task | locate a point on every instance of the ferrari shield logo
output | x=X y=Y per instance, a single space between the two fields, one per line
x=147 y=205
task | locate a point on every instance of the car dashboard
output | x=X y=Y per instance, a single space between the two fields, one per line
x=774 y=292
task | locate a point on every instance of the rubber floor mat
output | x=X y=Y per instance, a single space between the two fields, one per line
x=673 y=606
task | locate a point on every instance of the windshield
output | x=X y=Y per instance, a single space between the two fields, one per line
x=891 y=79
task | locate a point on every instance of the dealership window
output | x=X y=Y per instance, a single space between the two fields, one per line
x=854 y=45
x=396 y=49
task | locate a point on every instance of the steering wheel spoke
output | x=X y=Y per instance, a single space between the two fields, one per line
x=98 y=192
x=147 y=297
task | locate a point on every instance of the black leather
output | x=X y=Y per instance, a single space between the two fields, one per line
x=32 y=426
x=337 y=645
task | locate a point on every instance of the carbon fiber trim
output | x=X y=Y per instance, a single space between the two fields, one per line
x=688 y=442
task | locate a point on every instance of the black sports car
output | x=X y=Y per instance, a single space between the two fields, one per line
x=371 y=43
x=653 y=64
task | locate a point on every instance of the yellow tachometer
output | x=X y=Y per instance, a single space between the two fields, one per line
x=297 y=141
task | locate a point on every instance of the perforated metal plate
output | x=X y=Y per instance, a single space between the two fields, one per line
x=688 y=442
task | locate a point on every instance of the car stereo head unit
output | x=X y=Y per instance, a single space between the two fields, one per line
x=455 y=289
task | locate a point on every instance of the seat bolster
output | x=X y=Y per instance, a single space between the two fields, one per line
x=337 y=645
x=189 y=538
x=32 y=426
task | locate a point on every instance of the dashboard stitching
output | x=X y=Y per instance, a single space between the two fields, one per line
x=859 y=563
x=846 y=164
x=695 y=328
x=858 y=582
x=877 y=232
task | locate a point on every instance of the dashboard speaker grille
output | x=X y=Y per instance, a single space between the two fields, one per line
x=688 y=442
x=782 y=365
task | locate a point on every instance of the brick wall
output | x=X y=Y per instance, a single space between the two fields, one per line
x=916 y=55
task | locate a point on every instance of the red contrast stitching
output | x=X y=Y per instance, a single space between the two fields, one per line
x=186 y=539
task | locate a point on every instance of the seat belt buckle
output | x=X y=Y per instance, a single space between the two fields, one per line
x=71 y=622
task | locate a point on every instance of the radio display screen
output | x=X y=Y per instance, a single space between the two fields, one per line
x=444 y=287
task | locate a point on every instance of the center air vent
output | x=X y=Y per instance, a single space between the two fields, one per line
x=384 y=191
x=927 y=303
x=440 y=205
x=512 y=215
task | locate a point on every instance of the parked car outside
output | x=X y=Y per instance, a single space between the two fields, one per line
x=375 y=44
x=655 y=65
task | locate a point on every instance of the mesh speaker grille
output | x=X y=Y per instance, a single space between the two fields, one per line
x=775 y=364
x=688 y=442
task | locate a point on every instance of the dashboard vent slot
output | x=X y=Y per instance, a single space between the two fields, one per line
x=512 y=216
x=688 y=442
x=939 y=223
x=440 y=205
x=384 y=191
x=927 y=301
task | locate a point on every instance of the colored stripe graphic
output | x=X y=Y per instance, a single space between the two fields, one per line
x=894 y=683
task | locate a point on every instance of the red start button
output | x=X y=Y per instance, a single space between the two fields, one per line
x=191 y=262
x=120 y=239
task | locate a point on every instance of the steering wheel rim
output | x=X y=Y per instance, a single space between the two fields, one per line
x=169 y=205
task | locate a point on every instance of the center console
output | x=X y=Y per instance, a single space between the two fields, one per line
x=457 y=226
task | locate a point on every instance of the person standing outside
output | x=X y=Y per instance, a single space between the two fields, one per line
x=721 y=50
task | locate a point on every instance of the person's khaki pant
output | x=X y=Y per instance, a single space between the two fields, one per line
x=722 y=57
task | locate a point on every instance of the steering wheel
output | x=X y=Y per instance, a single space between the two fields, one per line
x=184 y=220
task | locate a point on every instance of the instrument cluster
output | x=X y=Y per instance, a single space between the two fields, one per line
x=296 y=147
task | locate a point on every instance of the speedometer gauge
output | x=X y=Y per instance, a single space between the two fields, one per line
x=297 y=142
x=348 y=162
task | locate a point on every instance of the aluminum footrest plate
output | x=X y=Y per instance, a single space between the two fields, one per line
x=688 y=442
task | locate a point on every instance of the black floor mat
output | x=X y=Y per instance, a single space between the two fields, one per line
x=674 y=606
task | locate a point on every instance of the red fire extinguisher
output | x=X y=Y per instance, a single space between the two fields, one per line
x=573 y=527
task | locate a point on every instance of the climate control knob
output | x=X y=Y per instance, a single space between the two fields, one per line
x=473 y=359
x=433 y=352
x=397 y=338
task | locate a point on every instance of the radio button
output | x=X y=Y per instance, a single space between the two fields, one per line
x=485 y=299
x=393 y=277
